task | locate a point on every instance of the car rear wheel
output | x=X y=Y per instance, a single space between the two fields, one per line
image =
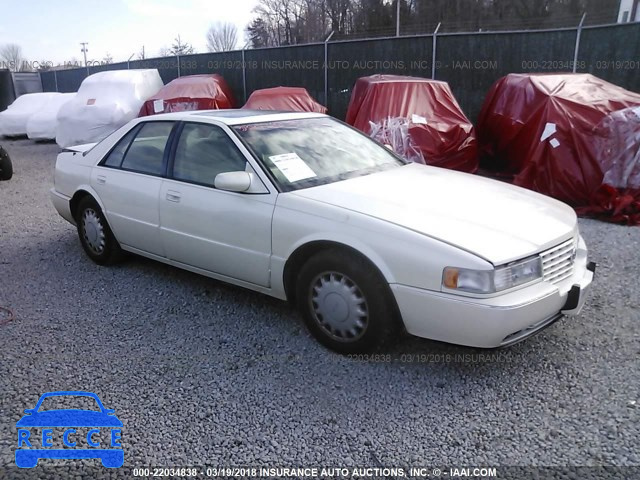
x=345 y=302
x=95 y=235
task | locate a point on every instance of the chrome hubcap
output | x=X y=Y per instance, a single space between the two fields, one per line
x=339 y=307
x=93 y=231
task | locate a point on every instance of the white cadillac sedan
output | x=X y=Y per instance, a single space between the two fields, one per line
x=304 y=208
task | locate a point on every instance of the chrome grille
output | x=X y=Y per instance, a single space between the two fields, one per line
x=557 y=262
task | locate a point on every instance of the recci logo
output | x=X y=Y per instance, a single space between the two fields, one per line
x=87 y=430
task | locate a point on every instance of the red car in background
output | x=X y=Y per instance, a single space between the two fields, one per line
x=574 y=137
x=288 y=99
x=193 y=92
x=418 y=117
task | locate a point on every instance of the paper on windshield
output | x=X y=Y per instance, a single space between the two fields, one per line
x=292 y=167
x=158 y=106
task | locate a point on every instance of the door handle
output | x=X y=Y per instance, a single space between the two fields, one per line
x=101 y=179
x=173 y=196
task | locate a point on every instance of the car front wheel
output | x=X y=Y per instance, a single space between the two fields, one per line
x=95 y=235
x=345 y=302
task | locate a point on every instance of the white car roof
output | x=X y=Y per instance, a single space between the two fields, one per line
x=234 y=116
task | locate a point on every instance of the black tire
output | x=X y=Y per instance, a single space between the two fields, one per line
x=356 y=313
x=95 y=235
x=6 y=168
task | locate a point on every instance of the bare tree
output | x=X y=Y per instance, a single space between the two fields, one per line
x=141 y=54
x=107 y=59
x=285 y=22
x=11 y=55
x=181 y=48
x=222 y=37
x=288 y=22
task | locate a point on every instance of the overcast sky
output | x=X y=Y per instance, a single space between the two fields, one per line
x=52 y=30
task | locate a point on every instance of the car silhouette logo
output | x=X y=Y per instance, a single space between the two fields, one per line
x=31 y=449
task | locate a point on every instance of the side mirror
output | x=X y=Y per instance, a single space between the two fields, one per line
x=233 y=181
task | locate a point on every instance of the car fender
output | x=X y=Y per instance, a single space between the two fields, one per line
x=87 y=188
x=347 y=241
x=401 y=255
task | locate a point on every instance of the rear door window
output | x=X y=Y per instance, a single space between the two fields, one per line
x=146 y=153
x=114 y=159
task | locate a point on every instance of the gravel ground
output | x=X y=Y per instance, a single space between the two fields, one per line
x=202 y=373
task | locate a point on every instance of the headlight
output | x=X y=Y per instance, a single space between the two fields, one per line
x=518 y=273
x=491 y=281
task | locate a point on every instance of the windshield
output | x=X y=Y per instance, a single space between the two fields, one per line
x=307 y=152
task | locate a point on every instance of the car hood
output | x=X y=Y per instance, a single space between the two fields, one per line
x=69 y=418
x=494 y=220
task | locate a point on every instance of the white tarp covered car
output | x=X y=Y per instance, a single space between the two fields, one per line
x=302 y=207
x=42 y=125
x=13 y=121
x=105 y=102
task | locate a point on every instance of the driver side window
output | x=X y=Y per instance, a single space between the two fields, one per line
x=204 y=151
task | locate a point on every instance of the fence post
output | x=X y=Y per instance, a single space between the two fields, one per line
x=433 y=55
x=244 y=76
x=326 y=70
x=577 y=51
x=178 y=60
x=55 y=79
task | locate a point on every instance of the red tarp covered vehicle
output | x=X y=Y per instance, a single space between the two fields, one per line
x=574 y=137
x=290 y=99
x=193 y=92
x=419 y=118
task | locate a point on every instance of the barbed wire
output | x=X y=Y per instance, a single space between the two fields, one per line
x=484 y=24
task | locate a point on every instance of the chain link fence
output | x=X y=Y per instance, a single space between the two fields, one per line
x=470 y=62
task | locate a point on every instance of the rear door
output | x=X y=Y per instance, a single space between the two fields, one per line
x=227 y=233
x=128 y=182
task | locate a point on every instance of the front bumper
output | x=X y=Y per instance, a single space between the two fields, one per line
x=492 y=322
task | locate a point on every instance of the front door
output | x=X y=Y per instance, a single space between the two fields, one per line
x=222 y=232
